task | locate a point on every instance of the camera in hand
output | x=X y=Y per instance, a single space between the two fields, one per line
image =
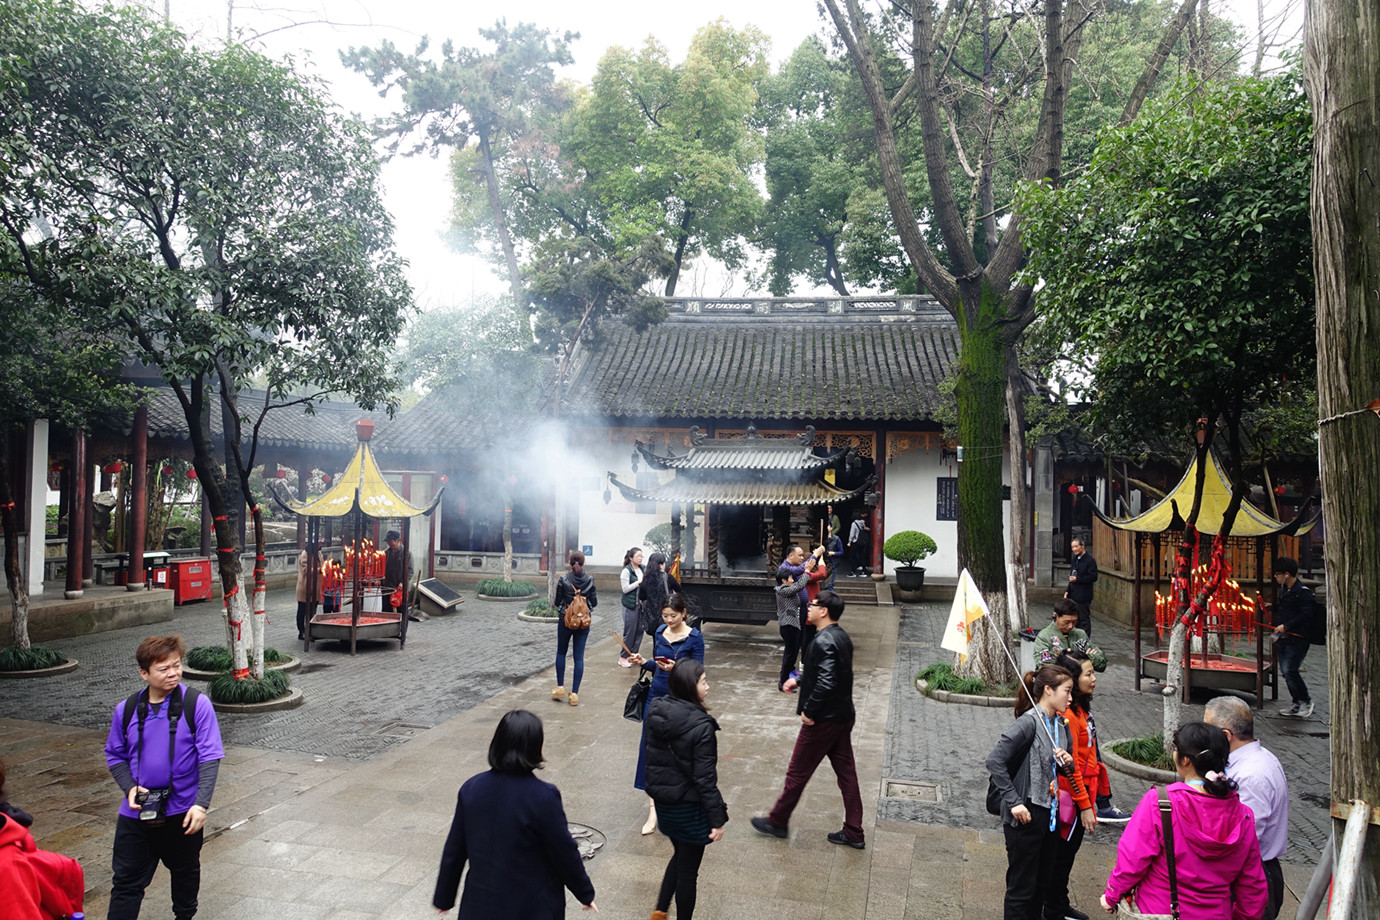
x=153 y=804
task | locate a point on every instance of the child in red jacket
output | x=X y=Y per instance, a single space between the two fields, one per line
x=37 y=885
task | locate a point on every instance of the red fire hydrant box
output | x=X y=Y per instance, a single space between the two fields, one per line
x=191 y=580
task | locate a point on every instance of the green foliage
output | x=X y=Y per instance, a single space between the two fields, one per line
x=1147 y=751
x=658 y=540
x=223 y=688
x=941 y=676
x=217 y=657
x=541 y=607
x=497 y=587
x=212 y=206
x=908 y=547
x=1177 y=269
x=34 y=658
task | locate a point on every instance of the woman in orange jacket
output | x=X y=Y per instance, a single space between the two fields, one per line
x=1077 y=806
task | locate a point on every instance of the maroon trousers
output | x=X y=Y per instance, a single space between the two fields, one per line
x=812 y=745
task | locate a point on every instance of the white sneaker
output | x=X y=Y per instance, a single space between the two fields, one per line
x=1305 y=710
x=1291 y=710
x=624 y=663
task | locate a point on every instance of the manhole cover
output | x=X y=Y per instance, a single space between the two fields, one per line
x=401 y=729
x=589 y=840
x=907 y=789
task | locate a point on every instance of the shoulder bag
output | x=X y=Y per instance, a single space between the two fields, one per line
x=636 y=704
x=1127 y=909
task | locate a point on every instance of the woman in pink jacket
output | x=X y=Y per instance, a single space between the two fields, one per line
x=1216 y=853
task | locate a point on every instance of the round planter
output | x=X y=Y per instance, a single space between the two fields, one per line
x=1131 y=768
x=67 y=666
x=292 y=664
x=944 y=696
x=910 y=577
x=910 y=597
x=525 y=598
x=291 y=701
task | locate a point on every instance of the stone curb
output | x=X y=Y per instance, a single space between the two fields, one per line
x=1131 y=768
x=68 y=666
x=944 y=696
x=525 y=598
x=291 y=701
x=287 y=667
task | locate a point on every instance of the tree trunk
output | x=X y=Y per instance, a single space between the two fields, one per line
x=14 y=576
x=833 y=274
x=1341 y=51
x=980 y=390
x=682 y=239
x=1019 y=508
x=505 y=237
x=507 y=532
x=1152 y=67
x=256 y=630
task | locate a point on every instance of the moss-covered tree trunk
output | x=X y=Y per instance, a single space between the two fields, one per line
x=980 y=391
x=14 y=577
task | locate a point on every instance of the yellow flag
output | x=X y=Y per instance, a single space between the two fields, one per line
x=968 y=607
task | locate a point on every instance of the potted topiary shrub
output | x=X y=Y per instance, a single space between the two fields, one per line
x=909 y=547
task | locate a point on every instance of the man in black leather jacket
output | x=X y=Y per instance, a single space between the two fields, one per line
x=826 y=725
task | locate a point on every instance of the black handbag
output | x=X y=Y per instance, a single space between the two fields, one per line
x=636 y=702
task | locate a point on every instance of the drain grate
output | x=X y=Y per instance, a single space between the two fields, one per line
x=915 y=791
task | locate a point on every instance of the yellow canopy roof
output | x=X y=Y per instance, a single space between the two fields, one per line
x=361 y=484
x=1169 y=513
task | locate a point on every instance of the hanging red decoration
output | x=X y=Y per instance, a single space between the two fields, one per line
x=191 y=474
x=1279 y=490
x=113 y=467
x=1073 y=490
x=444 y=479
x=326 y=478
x=167 y=471
x=281 y=474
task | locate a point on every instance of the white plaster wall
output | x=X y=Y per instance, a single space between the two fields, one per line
x=611 y=529
x=910 y=504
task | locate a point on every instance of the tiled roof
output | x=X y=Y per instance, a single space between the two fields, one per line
x=682 y=489
x=434 y=425
x=764 y=363
x=750 y=452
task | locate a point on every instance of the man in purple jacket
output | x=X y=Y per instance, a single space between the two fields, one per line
x=164 y=751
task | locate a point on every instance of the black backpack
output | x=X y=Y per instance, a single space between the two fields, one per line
x=1316 y=630
x=178 y=703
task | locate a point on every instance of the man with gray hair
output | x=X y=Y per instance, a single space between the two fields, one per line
x=1260 y=783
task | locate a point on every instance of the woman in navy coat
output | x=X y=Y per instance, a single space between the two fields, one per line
x=511 y=828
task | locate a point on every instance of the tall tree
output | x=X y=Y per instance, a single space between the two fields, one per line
x=484 y=96
x=54 y=367
x=670 y=148
x=220 y=210
x=1342 y=69
x=973 y=270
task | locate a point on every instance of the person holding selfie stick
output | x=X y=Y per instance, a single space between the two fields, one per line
x=675 y=639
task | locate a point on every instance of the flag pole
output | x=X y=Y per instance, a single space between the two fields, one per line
x=1020 y=679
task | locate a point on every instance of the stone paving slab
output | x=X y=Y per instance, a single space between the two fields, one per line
x=341 y=812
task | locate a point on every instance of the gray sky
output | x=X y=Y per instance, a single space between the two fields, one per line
x=416 y=188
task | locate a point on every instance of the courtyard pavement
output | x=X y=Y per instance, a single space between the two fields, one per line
x=339 y=808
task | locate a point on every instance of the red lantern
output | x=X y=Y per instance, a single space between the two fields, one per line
x=1279 y=490
x=113 y=467
x=326 y=478
x=167 y=471
x=281 y=474
x=1073 y=490
x=444 y=479
x=191 y=474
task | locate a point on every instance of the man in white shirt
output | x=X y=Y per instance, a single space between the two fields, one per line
x=1261 y=784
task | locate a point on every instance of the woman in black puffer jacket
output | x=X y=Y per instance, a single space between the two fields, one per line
x=683 y=781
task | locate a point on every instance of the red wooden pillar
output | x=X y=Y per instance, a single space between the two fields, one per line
x=76 y=515
x=878 y=518
x=138 y=499
x=303 y=474
x=88 y=530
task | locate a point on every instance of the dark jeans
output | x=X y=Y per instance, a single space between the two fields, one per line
x=813 y=744
x=139 y=848
x=1274 y=885
x=681 y=879
x=562 y=644
x=791 y=636
x=1057 y=894
x=1030 y=855
x=301 y=618
x=1084 y=616
x=1291 y=652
